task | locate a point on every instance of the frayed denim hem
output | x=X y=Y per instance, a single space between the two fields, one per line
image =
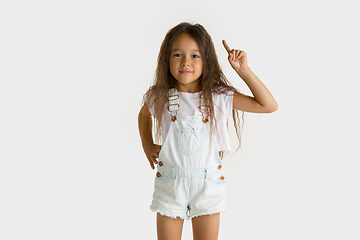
x=207 y=213
x=183 y=217
x=163 y=213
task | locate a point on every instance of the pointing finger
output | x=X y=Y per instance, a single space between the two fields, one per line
x=228 y=49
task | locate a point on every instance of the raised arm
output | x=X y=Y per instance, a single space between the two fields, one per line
x=263 y=101
x=151 y=150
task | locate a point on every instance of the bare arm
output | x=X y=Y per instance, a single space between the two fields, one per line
x=263 y=101
x=151 y=150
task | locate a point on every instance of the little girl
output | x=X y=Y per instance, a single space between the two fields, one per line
x=190 y=101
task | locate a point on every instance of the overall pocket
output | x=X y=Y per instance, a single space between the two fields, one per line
x=190 y=140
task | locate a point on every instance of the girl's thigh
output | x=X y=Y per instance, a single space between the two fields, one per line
x=206 y=227
x=169 y=228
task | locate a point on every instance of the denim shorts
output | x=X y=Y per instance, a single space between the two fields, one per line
x=188 y=192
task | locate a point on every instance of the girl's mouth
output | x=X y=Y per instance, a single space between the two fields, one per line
x=185 y=71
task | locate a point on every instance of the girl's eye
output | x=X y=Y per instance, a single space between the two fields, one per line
x=195 y=56
x=177 y=55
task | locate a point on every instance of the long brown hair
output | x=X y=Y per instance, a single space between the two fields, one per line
x=211 y=81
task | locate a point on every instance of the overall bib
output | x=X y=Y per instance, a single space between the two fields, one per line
x=190 y=178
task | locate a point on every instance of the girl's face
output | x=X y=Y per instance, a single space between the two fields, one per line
x=186 y=64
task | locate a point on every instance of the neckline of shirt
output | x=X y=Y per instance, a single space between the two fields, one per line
x=191 y=95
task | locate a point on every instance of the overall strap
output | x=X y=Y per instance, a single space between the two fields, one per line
x=173 y=103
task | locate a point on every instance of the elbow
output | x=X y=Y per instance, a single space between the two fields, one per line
x=272 y=108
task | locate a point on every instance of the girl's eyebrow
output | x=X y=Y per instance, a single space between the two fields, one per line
x=194 y=50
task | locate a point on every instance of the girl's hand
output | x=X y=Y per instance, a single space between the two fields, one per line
x=237 y=58
x=152 y=153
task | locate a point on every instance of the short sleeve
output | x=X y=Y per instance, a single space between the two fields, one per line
x=224 y=102
x=229 y=102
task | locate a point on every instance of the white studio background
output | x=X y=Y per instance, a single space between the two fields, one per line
x=72 y=78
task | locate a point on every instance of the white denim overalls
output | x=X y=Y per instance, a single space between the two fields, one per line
x=190 y=178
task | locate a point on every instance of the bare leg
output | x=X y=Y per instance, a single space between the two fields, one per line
x=206 y=227
x=169 y=228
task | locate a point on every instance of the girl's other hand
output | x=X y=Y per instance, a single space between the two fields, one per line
x=152 y=153
x=237 y=58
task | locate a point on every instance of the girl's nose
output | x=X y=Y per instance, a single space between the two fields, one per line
x=185 y=64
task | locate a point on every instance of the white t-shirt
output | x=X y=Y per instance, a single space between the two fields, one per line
x=189 y=106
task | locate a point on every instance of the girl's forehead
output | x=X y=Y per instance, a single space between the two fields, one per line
x=184 y=41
